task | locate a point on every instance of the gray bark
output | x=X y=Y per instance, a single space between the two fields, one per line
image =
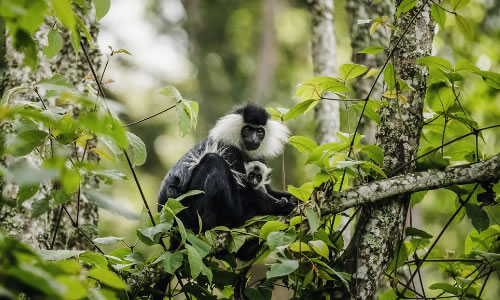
x=412 y=182
x=324 y=56
x=382 y=223
x=360 y=39
x=267 y=57
x=17 y=221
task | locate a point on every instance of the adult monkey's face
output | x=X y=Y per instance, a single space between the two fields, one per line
x=252 y=136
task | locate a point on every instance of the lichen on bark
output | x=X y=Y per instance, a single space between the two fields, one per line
x=17 y=220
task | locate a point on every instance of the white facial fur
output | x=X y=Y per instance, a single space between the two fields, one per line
x=228 y=130
x=260 y=168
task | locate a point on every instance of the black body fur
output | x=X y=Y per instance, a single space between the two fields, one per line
x=213 y=166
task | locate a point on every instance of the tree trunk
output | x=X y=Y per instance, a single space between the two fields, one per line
x=381 y=224
x=16 y=220
x=360 y=39
x=324 y=56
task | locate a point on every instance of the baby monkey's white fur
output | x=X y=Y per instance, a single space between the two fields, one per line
x=258 y=167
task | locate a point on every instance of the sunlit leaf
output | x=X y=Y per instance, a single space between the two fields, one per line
x=302 y=143
x=372 y=49
x=101 y=8
x=390 y=76
x=64 y=13
x=55 y=43
x=320 y=247
x=299 y=109
x=313 y=219
x=138 y=148
x=435 y=62
x=491 y=78
x=271 y=226
x=25 y=142
x=349 y=71
x=405 y=6
x=458 y=4
x=108 y=278
x=438 y=14
x=464 y=26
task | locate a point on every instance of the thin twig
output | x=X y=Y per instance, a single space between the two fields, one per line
x=57 y=227
x=152 y=116
x=462 y=204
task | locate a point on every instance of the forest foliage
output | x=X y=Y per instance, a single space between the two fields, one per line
x=301 y=251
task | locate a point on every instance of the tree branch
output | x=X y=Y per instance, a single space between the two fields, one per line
x=412 y=182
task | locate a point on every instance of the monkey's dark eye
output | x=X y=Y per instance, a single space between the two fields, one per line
x=246 y=129
x=250 y=175
x=260 y=130
x=259 y=178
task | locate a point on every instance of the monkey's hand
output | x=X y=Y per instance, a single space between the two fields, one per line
x=282 y=202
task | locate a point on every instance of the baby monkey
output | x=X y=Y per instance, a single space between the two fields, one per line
x=258 y=177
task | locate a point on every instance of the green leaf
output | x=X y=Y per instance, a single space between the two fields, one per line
x=435 y=62
x=478 y=216
x=25 y=142
x=56 y=255
x=417 y=197
x=258 y=293
x=458 y=4
x=296 y=220
x=405 y=6
x=271 y=226
x=349 y=71
x=320 y=247
x=108 y=278
x=315 y=87
x=411 y=231
x=371 y=110
x=401 y=257
x=94 y=259
x=70 y=180
x=171 y=92
x=299 y=246
x=390 y=77
x=184 y=118
x=36 y=278
x=446 y=287
x=64 y=12
x=57 y=82
x=39 y=207
x=195 y=261
x=464 y=65
x=60 y=197
x=25 y=43
x=464 y=27
x=152 y=235
x=491 y=78
x=138 y=149
x=26 y=191
x=101 y=8
x=109 y=240
x=277 y=238
x=201 y=246
x=375 y=153
x=391 y=295
x=55 y=44
x=438 y=14
x=283 y=268
x=299 y=109
x=440 y=97
x=313 y=219
x=369 y=166
x=372 y=50
x=169 y=261
x=303 y=193
x=302 y=143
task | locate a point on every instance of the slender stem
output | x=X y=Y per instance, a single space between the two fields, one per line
x=484 y=284
x=462 y=204
x=446 y=10
x=444 y=145
x=57 y=227
x=131 y=167
x=78 y=204
x=152 y=116
x=81 y=231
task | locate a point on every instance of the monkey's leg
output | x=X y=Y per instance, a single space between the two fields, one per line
x=220 y=204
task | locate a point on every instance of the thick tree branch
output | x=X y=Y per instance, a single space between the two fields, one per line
x=413 y=182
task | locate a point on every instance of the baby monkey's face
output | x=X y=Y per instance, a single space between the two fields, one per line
x=254 y=179
x=257 y=174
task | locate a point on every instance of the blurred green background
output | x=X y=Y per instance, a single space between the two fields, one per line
x=225 y=53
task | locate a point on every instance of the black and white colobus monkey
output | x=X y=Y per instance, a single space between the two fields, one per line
x=216 y=166
x=258 y=177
